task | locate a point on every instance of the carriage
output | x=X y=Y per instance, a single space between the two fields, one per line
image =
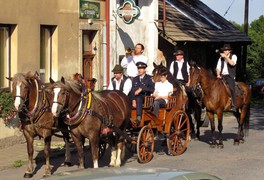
x=172 y=121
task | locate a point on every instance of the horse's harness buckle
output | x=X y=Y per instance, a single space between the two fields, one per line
x=90 y=112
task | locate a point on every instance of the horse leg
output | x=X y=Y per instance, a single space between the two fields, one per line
x=197 y=114
x=29 y=139
x=240 y=120
x=212 y=123
x=120 y=148
x=67 y=160
x=79 y=146
x=220 y=128
x=47 y=141
x=94 y=149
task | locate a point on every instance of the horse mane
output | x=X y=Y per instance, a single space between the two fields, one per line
x=22 y=77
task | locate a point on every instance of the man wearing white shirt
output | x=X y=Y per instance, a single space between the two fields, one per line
x=130 y=62
x=180 y=68
x=119 y=81
x=226 y=69
x=163 y=90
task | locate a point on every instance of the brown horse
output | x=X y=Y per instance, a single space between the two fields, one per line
x=89 y=113
x=217 y=99
x=189 y=103
x=32 y=103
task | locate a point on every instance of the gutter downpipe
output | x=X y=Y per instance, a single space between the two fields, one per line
x=107 y=44
x=164 y=12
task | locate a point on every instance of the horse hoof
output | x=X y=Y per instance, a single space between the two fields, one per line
x=236 y=143
x=67 y=164
x=28 y=175
x=220 y=146
x=46 y=175
x=242 y=141
x=212 y=146
x=111 y=165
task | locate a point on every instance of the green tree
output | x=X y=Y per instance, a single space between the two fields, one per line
x=255 y=63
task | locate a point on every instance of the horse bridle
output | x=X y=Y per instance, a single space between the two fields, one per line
x=197 y=88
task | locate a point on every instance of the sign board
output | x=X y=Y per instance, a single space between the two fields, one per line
x=128 y=11
x=89 y=10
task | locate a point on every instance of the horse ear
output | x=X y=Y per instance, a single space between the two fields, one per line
x=36 y=74
x=9 y=78
x=62 y=80
x=51 y=81
x=155 y=65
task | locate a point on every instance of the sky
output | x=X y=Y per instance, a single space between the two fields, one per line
x=236 y=11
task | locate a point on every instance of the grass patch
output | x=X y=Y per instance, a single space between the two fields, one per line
x=18 y=163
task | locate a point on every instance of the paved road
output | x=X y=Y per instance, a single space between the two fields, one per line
x=245 y=161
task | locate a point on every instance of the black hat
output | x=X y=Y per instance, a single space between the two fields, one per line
x=226 y=47
x=141 y=65
x=178 y=52
x=118 y=69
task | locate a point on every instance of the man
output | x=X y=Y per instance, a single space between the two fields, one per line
x=136 y=57
x=120 y=81
x=142 y=85
x=163 y=90
x=226 y=69
x=180 y=68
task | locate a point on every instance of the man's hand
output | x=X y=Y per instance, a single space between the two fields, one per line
x=219 y=76
x=138 y=91
x=134 y=104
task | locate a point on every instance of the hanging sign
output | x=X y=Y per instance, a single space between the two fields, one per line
x=89 y=10
x=128 y=11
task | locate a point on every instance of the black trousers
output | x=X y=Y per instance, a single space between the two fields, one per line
x=231 y=82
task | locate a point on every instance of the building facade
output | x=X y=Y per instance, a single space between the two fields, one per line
x=59 y=38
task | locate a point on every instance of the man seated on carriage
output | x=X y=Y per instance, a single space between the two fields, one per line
x=163 y=90
x=142 y=85
x=120 y=81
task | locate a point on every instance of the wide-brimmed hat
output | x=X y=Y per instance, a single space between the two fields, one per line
x=226 y=47
x=178 y=52
x=141 y=65
x=118 y=69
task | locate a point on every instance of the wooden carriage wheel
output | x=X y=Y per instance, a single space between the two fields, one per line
x=102 y=148
x=178 y=136
x=145 y=144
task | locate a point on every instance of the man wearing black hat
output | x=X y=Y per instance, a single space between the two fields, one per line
x=226 y=69
x=120 y=81
x=180 y=68
x=142 y=85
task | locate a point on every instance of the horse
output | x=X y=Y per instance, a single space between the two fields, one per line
x=32 y=103
x=89 y=114
x=190 y=103
x=216 y=97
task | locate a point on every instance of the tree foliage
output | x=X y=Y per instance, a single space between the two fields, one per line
x=255 y=63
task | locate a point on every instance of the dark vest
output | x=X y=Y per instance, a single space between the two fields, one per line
x=183 y=70
x=231 y=69
x=121 y=84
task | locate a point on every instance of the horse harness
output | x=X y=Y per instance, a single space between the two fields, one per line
x=41 y=106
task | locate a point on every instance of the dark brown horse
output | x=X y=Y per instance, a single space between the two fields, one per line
x=89 y=113
x=32 y=103
x=217 y=99
x=190 y=104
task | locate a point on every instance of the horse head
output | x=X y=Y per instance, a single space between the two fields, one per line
x=25 y=90
x=157 y=71
x=63 y=93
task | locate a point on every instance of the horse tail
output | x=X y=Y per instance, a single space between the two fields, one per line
x=246 y=122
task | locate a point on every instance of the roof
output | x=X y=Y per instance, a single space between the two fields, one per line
x=192 y=20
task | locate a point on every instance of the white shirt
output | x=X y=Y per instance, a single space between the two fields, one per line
x=225 y=69
x=127 y=85
x=163 y=88
x=180 y=64
x=130 y=64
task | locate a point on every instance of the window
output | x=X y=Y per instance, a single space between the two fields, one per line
x=4 y=55
x=46 y=41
